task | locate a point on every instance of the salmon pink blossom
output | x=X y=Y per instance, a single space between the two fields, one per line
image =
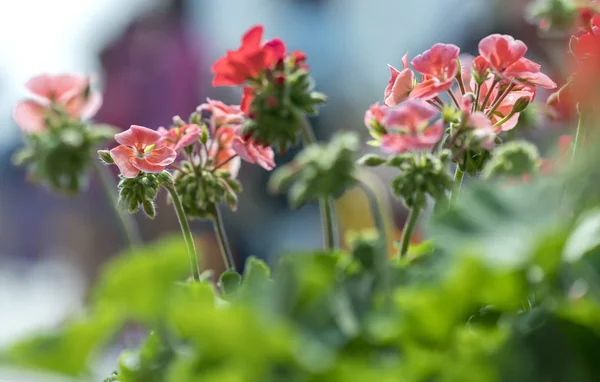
x=506 y=107
x=221 y=115
x=501 y=51
x=179 y=137
x=238 y=66
x=528 y=72
x=400 y=85
x=141 y=149
x=252 y=152
x=438 y=65
x=411 y=126
x=68 y=93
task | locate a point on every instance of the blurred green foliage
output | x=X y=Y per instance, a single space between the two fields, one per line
x=507 y=290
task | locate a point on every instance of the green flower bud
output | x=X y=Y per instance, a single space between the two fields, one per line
x=195 y=119
x=514 y=159
x=421 y=174
x=521 y=104
x=371 y=160
x=149 y=209
x=105 y=157
x=319 y=170
x=178 y=121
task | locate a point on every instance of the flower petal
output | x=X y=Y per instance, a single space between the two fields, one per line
x=29 y=116
x=138 y=136
x=122 y=156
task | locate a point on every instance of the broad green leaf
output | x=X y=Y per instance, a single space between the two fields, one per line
x=137 y=285
x=585 y=237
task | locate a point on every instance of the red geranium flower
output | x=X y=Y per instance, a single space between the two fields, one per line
x=249 y=60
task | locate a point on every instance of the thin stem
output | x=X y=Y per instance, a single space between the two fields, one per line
x=217 y=220
x=127 y=225
x=223 y=163
x=497 y=103
x=454 y=98
x=185 y=230
x=409 y=228
x=461 y=84
x=325 y=204
x=505 y=119
x=435 y=104
x=458 y=179
x=489 y=94
x=578 y=133
x=477 y=96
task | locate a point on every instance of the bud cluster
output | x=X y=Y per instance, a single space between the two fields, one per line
x=319 y=170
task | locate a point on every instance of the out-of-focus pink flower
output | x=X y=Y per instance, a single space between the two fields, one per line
x=69 y=93
x=439 y=66
x=375 y=114
x=249 y=60
x=501 y=51
x=179 y=137
x=141 y=149
x=252 y=152
x=412 y=125
x=483 y=130
x=221 y=153
x=221 y=115
x=400 y=85
x=528 y=72
x=506 y=106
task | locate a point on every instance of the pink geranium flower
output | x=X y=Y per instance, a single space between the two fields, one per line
x=179 y=137
x=69 y=93
x=253 y=152
x=141 y=149
x=439 y=66
x=375 y=114
x=221 y=153
x=501 y=51
x=412 y=125
x=400 y=85
x=221 y=114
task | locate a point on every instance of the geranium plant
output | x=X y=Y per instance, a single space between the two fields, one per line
x=505 y=288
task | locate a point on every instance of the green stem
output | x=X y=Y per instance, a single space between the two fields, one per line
x=217 y=220
x=326 y=203
x=185 y=230
x=577 y=141
x=458 y=179
x=477 y=96
x=489 y=94
x=501 y=98
x=409 y=228
x=505 y=119
x=127 y=225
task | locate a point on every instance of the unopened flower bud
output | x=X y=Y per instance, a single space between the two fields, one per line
x=105 y=157
x=204 y=134
x=177 y=121
x=165 y=177
x=521 y=104
x=149 y=209
x=371 y=160
x=195 y=118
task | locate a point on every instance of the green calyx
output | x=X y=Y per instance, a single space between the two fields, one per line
x=280 y=100
x=318 y=171
x=513 y=160
x=421 y=174
x=200 y=189
x=139 y=192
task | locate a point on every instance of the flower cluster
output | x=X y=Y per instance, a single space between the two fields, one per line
x=210 y=147
x=565 y=14
x=277 y=88
x=485 y=97
x=58 y=140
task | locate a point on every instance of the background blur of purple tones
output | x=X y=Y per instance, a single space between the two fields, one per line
x=152 y=61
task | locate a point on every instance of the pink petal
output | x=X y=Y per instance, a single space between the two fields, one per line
x=401 y=87
x=29 y=116
x=430 y=89
x=40 y=85
x=405 y=61
x=138 y=136
x=144 y=165
x=501 y=51
x=253 y=36
x=122 y=156
x=161 y=156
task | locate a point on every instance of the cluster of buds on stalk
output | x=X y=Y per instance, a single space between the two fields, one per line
x=277 y=88
x=59 y=141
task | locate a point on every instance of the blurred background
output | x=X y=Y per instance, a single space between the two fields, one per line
x=151 y=58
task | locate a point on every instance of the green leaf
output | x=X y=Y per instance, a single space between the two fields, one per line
x=65 y=351
x=229 y=282
x=257 y=277
x=138 y=284
x=585 y=237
